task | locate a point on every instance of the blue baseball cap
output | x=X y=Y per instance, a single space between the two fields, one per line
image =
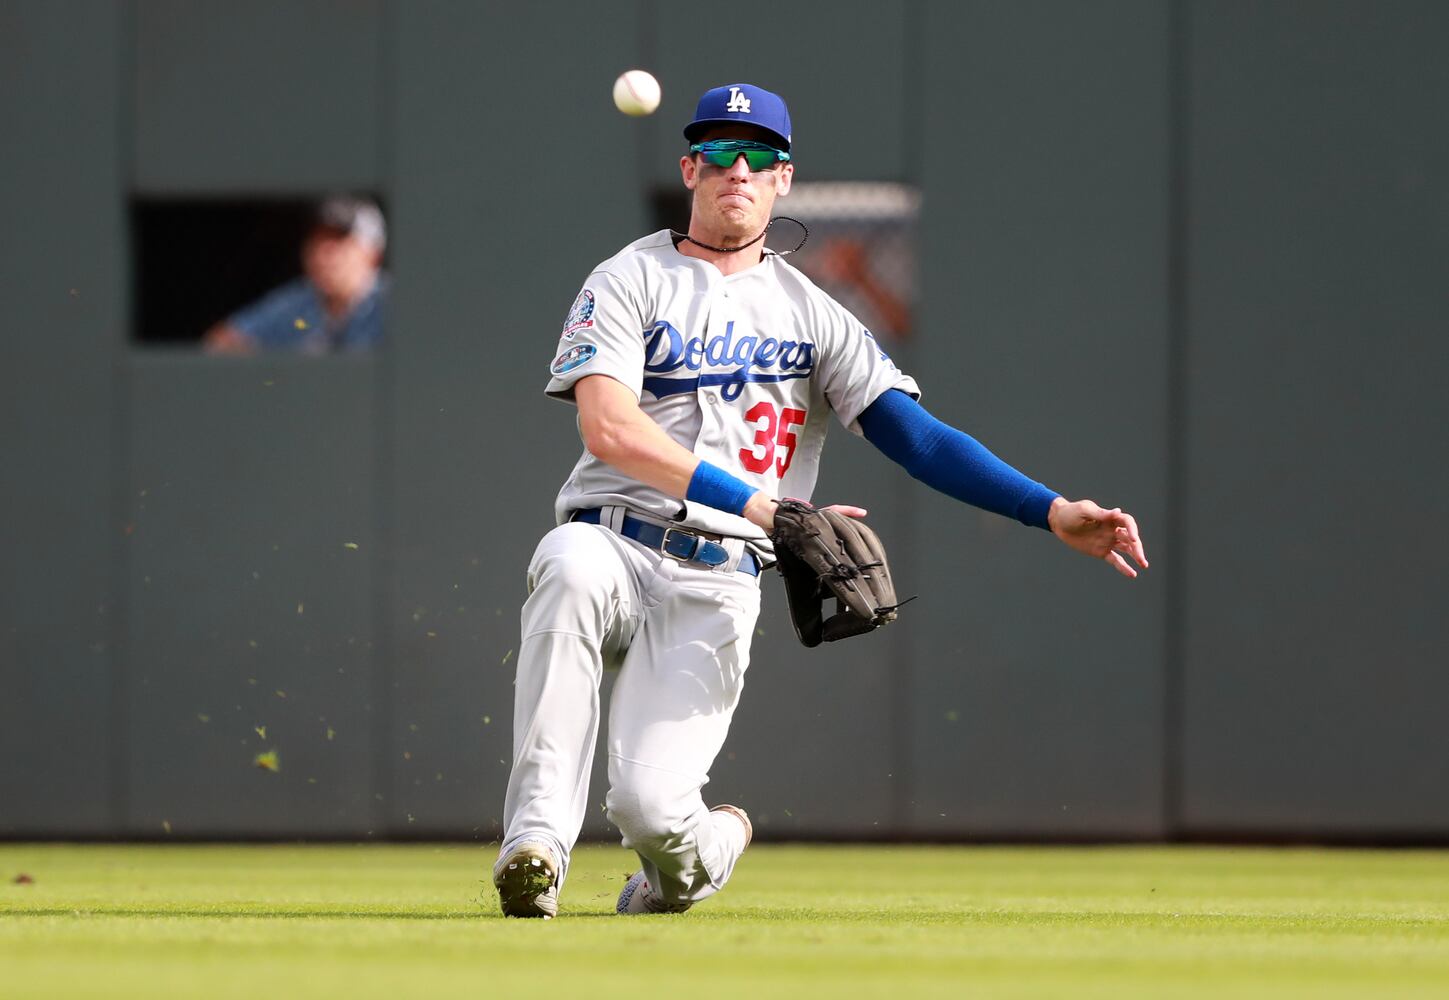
x=744 y=104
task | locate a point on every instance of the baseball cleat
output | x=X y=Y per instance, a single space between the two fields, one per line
x=527 y=882
x=636 y=896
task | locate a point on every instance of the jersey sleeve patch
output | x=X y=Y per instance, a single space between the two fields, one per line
x=581 y=315
x=883 y=355
x=575 y=357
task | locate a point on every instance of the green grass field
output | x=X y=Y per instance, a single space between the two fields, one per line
x=407 y=921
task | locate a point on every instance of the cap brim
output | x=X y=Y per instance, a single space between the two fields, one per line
x=695 y=129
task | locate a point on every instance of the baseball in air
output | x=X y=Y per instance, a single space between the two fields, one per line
x=636 y=93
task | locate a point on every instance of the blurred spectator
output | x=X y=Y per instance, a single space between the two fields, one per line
x=337 y=304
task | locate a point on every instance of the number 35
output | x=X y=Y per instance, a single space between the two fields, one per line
x=772 y=429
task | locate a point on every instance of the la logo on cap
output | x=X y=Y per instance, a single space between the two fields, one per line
x=738 y=102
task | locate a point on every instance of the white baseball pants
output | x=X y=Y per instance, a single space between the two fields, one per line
x=679 y=635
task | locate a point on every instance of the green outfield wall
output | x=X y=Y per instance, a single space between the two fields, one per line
x=1186 y=257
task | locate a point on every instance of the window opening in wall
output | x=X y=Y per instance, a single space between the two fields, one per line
x=250 y=275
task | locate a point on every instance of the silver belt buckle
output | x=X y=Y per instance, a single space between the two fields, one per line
x=694 y=547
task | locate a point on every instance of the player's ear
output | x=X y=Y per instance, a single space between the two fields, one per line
x=689 y=171
x=782 y=186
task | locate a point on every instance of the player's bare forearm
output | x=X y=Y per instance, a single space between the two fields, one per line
x=620 y=434
x=1109 y=535
x=617 y=432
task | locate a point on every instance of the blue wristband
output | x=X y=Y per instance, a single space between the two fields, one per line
x=714 y=487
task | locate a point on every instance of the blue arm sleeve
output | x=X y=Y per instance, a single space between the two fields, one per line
x=951 y=461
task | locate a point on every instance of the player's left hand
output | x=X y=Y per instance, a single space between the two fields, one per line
x=1102 y=534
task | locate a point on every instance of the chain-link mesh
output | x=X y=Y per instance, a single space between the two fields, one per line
x=862 y=248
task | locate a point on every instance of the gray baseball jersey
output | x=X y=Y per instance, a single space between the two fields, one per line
x=740 y=369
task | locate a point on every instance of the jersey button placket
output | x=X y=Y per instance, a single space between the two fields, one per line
x=714 y=436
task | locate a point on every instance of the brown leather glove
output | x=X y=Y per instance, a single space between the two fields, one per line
x=823 y=554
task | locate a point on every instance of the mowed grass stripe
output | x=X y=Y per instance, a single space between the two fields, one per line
x=419 y=920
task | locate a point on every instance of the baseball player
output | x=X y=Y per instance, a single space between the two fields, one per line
x=704 y=369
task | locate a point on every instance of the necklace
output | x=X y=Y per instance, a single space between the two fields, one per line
x=781 y=253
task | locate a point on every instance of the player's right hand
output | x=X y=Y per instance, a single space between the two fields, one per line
x=1109 y=535
x=761 y=511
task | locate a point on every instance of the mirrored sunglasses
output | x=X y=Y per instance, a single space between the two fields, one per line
x=724 y=153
